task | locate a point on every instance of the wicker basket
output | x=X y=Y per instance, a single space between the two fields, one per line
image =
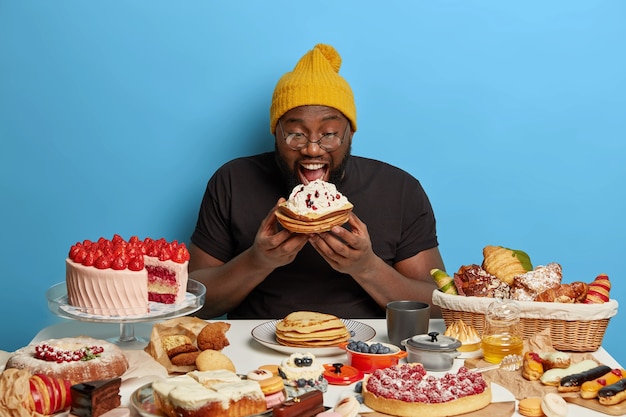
x=573 y=327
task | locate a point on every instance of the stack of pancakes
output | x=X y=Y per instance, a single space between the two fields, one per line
x=313 y=222
x=311 y=329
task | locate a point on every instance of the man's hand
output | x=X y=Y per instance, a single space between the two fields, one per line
x=274 y=247
x=346 y=251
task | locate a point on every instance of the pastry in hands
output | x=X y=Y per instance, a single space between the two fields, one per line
x=598 y=290
x=575 y=292
x=505 y=263
x=527 y=286
x=314 y=208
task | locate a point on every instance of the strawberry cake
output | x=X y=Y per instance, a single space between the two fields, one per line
x=118 y=277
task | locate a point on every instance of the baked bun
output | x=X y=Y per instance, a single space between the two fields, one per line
x=314 y=208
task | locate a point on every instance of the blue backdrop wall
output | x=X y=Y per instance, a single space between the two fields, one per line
x=114 y=114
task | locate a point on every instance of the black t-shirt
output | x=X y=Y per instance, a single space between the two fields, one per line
x=240 y=194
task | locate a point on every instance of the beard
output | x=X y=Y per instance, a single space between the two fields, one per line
x=290 y=174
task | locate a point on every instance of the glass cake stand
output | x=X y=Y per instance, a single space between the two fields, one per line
x=194 y=300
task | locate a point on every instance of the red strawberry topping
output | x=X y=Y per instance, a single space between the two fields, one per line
x=120 y=254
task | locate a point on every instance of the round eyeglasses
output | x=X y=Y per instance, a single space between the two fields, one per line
x=329 y=141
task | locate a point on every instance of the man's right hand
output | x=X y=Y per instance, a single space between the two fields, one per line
x=274 y=246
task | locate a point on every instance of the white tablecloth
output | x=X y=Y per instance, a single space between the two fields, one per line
x=247 y=354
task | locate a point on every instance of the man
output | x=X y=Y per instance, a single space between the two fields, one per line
x=253 y=268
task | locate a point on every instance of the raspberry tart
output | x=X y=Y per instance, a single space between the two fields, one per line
x=406 y=390
x=118 y=277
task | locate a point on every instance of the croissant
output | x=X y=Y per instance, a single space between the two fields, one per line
x=565 y=293
x=505 y=263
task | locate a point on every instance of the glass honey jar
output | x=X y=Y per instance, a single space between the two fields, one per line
x=501 y=335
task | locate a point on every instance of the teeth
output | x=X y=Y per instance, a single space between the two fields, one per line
x=313 y=167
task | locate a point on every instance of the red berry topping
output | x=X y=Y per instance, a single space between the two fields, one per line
x=53 y=354
x=120 y=254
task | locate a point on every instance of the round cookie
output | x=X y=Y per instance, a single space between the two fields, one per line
x=211 y=360
x=271 y=385
x=272 y=368
x=259 y=374
x=213 y=336
x=177 y=350
x=348 y=407
x=530 y=407
x=185 y=359
x=553 y=405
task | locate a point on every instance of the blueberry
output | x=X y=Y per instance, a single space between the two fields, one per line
x=301 y=383
x=358 y=387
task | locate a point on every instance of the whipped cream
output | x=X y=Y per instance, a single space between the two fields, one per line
x=318 y=197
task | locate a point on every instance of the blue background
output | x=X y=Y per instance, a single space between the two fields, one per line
x=114 y=114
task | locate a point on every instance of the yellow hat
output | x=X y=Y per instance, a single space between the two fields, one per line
x=315 y=81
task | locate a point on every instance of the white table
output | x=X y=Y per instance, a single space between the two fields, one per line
x=247 y=354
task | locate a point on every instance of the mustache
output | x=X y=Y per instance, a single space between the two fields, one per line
x=290 y=173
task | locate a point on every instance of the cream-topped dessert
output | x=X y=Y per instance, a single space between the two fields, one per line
x=317 y=197
x=302 y=372
x=315 y=207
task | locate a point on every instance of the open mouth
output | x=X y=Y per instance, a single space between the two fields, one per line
x=310 y=172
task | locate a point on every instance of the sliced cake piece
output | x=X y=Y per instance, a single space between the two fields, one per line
x=94 y=398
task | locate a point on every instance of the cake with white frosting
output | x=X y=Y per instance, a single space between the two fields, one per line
x=219 y=393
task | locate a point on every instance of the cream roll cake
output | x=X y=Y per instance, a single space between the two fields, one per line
x=118 y=277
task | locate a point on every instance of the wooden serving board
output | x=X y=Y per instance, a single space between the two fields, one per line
x=612 y=410
x=501 y=409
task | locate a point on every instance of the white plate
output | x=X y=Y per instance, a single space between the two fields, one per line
x=502 y=394
x=265 y=334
